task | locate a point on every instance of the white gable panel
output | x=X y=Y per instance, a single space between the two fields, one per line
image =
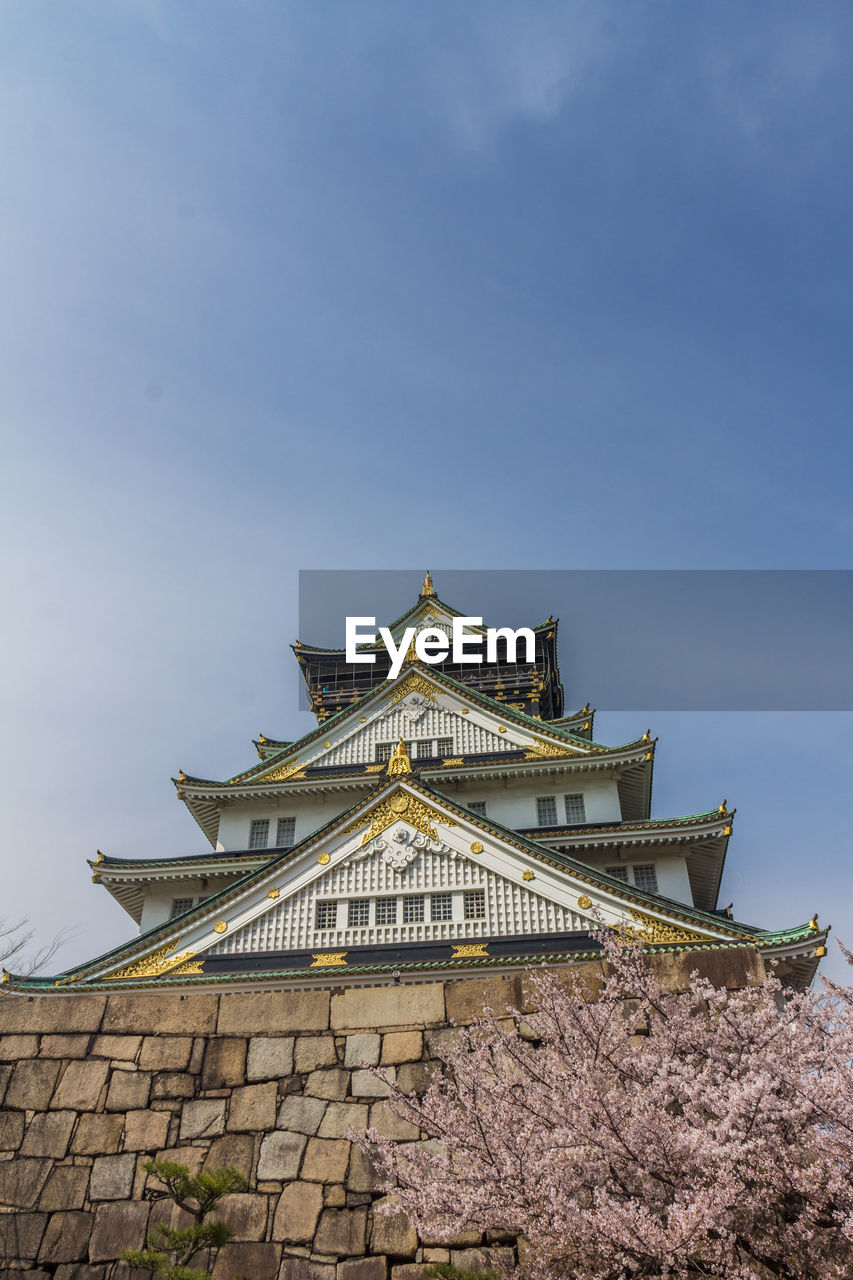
x=413 y=723
x=511 y=908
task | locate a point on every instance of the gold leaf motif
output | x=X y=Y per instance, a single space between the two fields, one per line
x=462 y=950
x=273 y=893
x=657 y=932
x=476 y=847
x=153 y=965
x=414 y=682
x=294 y=770
x=329 y=958
x=528 y=875
x=191 y=966
x=584 y=902
x=452 y=762
x=547 y=751
x=375 y=768
x=220 y=926
x=400 y=805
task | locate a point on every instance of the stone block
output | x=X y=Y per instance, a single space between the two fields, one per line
x=414 y=1077
x=245 y=1213
x=224 y=1063
x=97 y=1135
x=234 y=1150
x=14 y=1047
x=391 y=1232
x=466 y=998
x=301 y=1268
x=401 y=1046
x=112 y=1177
x=145 y=1130
x=66 y=1238
x=60 y=1013
x=362 y=1176
x=734 y=968
x=341 y=1117
x=5 y=1077
x=254 y=1107
x=489 y=1259
x=341 y=1232
x=462 y=1239
x=313 y=1052
x=278 y=1012
x=118 y=1227
x=22 y=1179
x=173 y=1084
x=363 y=1269
x=204 y=1118
x=332 y=1084
x=326 y=1160
x=128 y=1091
x=270 y=1057
x=118 y=1048
x=260 y=1261
x=129 y=1012
x=281 y=1154
x=366 y=1085
x=362 y=1008
x=80 y=1086
x=412 y=1271
x=335 y=1195
x=11 y=1130
x=20 y=1235
x=69 y=1046
x=32 y=1084
x=48 y=1134
x=384 y=1120
x=589 y=973
x=297 y=1212
x=66 y=1188
x=165 y=1053
x=362 y=1050
x=301 y=1115
x=436 y=1255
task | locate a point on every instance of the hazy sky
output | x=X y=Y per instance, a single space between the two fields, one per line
x=368 y=285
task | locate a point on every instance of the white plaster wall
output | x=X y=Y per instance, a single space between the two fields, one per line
x=515 y=805
x=310 y=812
x=158 y=901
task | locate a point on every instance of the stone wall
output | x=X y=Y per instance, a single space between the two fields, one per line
x=91 y=1086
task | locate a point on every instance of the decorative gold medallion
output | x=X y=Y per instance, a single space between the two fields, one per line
x=584 y=902
x=273 y=893
x=476 y=846
x=328 y=958
x=400 y=805
x=220 y=926
x=528 y=875
x=322 y=858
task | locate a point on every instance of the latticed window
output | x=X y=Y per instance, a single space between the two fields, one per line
x=475 y=904
x=383 y=752
x=413 y=908
x=618 y=873
x=546 y=811
x=425 y=749
x=444 y=747
x=259 y=833
x=358 y=913
x=285 y=832
x=386 y=910
x=180 y=905
x=478 y=806
x=646 y=877
x=575 y=808
x=327 y=914
x=441 y=906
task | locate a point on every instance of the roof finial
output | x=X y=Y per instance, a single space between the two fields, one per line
x=428 y=589
x=399 y=761
x=722 y=808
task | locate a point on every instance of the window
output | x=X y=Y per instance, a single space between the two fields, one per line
x=441 y=906
x=179 y=906
x=285 y=832
x=383 y=752
x=645 y=877
x=386 y=910
x=424 y=750
x=358 y=913
x=618 y=873
x=575 y=808
x=327 y=914
x=259 y=833
x=413 y=909
x=475 y=904
x=546 y=811
x=444 y=747
x=478 y=806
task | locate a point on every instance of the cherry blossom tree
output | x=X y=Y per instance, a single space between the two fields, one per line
x=643 y=1132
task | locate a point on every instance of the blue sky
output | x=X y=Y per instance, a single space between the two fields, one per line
x=375 y=284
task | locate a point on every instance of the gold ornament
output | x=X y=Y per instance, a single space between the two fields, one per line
x=427 y=589
x=528 y=875
x=476 y=847
x=293 y=770
x=154 y=964
x=399 y=761
x=657 y=932
x=273 y=893
x=399 y=805
x=414 y=682
x=463 y=950
x=220 y=926
x=584 y=902
x=329 y=958
x=322 y=858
